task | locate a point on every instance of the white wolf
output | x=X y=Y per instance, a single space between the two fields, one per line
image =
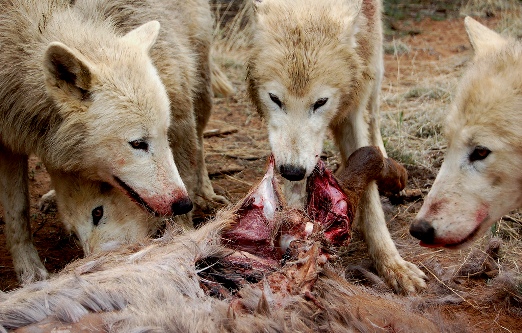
x=480 y=179
x=314 y=66
x=97 y=213
x=78 y=88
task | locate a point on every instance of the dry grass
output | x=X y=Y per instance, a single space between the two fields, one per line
x=232 y=32
x=509 y=11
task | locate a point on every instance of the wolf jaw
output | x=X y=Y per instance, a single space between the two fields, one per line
x=179 y=207
x=451 y=244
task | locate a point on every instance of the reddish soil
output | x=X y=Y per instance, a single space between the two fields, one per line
x=237 y=160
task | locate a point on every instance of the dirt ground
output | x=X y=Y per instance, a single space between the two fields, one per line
x=236 y=146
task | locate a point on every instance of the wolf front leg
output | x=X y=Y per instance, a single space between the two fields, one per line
x=401 y=275
x=14 y=196
x=374 y=116
x=206 y=198
x=398 y=273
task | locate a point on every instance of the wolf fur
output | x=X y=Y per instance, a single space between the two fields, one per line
x=314 y=66
x=91 y=87
x=480 y=179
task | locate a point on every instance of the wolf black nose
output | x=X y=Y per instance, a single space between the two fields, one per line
x=423 y=231
x=292 y=172
x=182 y=206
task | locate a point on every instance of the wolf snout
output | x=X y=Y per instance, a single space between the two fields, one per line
x=292 y=172
x=423 y=230
x=182 y=206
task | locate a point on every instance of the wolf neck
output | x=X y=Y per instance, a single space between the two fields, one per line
x=26 y=103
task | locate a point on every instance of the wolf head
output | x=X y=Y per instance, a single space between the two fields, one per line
x=101 y=216
x=302 y=66
x=116 y=115
x=481 y=178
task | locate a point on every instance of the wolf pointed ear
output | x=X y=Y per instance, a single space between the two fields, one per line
x=483 y=39
x=68 y=70
x=350 y=23
x=144 y=35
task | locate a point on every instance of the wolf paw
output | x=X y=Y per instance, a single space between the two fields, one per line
x=34 y=274
x=28 y=265
x=48 y=202
x=403 y=276
x=220 y=200
x=211 y=203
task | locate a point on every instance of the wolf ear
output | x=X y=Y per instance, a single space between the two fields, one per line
x=144 y=35
x=350 y=21
x=68 y=70
x=483 y=40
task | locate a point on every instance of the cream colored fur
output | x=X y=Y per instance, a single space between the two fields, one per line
x=315 y=66
x=480 y=179
x=83 y=82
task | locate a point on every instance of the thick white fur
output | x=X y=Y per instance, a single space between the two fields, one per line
x=306 y=51
x=469 y=195
x=80 y=83
x=76 y=93
x=122 y=221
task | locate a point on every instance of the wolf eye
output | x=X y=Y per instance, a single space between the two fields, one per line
x=320 y=102
x=97 y=214
x=139 y=144
x=275 y=99
x=479 y=153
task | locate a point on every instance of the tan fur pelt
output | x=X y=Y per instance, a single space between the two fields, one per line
x=156 y=288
